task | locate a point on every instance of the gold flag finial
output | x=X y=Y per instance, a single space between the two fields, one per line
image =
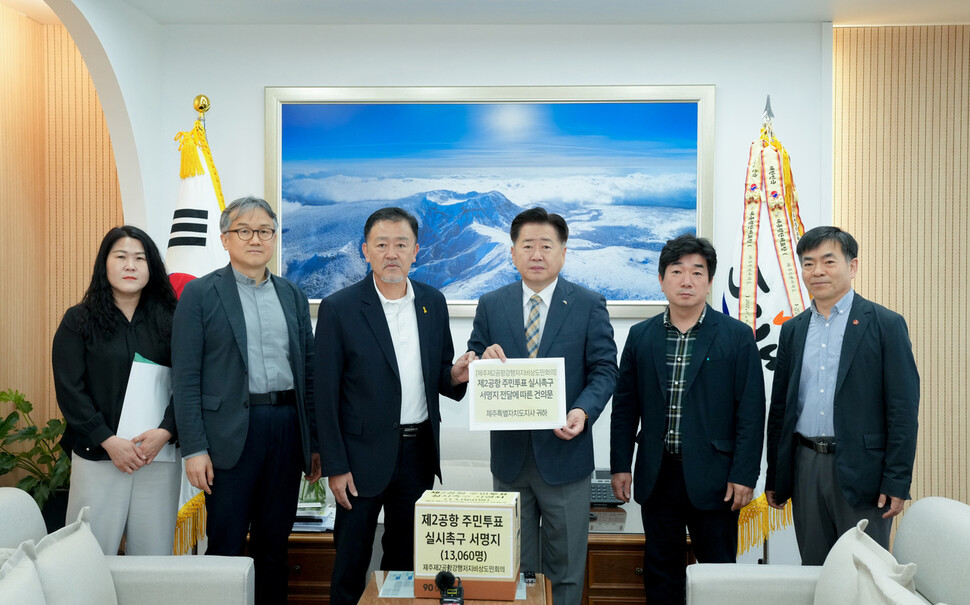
x=201 y=104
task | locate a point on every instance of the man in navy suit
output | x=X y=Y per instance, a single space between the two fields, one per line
x=243 y=390
x=844 y=405
x=691 y=381
x=543 y=315
x=383 y=354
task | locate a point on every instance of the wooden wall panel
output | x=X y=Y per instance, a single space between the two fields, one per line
x=902 y=187
x=58 y=196
x=23 y=179
x=83 y=195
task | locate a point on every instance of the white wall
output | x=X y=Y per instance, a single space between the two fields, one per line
x=158 y=70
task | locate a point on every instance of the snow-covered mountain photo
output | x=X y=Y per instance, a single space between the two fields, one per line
x=622 y=175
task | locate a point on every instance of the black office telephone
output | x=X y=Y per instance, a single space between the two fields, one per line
x=600 y=489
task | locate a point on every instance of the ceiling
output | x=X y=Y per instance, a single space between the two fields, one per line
x=528 y=12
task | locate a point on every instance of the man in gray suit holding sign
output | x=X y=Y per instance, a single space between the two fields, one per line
x=544 y=315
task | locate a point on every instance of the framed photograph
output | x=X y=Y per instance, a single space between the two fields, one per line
x=629 y=167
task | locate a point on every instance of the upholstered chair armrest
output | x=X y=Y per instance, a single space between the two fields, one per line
x=731 y=584
x=205 y=580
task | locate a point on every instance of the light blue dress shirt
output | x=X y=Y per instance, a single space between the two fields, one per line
x=820 y=369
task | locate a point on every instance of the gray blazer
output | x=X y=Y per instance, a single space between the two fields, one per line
x=210 y=383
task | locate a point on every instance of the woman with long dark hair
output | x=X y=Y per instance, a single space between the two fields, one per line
x=126 y=311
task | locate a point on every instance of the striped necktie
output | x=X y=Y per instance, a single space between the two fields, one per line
x=532 y=326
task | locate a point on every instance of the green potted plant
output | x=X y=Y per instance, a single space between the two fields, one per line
x=47 y=467
x=313 y=492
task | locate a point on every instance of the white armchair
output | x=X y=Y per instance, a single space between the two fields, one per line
x=159 y=580
x=934 y=534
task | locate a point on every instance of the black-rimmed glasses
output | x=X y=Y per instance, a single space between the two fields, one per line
x=247 y=234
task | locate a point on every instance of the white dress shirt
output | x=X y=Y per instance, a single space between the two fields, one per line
x=402 y=321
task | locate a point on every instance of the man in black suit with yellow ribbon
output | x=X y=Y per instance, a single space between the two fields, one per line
x=383 y=355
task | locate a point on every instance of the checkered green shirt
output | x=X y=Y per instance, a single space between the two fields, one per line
x=680 y=347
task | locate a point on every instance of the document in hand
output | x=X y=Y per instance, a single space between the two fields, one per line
x=517 y=394
x=148 y=394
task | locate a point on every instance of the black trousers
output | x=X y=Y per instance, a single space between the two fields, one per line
x=259 y=495
x=354 y=529
x=666 y=514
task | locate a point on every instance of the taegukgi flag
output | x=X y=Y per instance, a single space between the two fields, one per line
x=194 y=249
x=194 y=246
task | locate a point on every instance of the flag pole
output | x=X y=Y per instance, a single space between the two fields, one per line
x=194 y=250
x=201 y=105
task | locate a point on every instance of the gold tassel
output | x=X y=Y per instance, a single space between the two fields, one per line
x=190 y=525
x=188 y=145
x=757 y=521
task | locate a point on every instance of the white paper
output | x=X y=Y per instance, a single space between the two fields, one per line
x=517 y=394
x=148 y=394
x=398 y=585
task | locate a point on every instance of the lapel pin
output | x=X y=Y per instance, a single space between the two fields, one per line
x=426 y=310
x=855 y=322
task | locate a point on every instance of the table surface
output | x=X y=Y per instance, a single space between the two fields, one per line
x=539 y=593
x=623 y=519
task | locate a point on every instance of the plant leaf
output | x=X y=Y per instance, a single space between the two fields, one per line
x=9 y=423
x=8 y=462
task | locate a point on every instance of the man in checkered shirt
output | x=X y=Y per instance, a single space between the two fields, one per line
x=691 y=381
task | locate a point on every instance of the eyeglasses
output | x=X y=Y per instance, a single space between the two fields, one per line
x=247 y=234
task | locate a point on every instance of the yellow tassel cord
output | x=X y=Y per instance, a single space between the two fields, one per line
x=190 y=143
x=791 y=194
x=190 y=525
x=758 y=521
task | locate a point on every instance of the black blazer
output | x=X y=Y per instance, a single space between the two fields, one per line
x=578 y=329
x=210 y=383
x=359 y=387
x=722 y=426
x=876 y=406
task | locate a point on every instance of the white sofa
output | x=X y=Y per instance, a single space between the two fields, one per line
x=934 y=534
x=207 y=580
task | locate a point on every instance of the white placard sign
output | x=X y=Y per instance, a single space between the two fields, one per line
x=518 y=394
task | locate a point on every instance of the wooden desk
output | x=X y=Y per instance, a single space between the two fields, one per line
x=539 y=593
x=614 y=557
x=614 y=562
x=310 y=558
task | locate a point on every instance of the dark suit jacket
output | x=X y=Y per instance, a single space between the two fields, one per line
x=722 y=426
x=577 y=329
x=358 y=384
x=210 y=382
x=876 y=406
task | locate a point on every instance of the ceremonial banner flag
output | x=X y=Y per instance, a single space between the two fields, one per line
x=194 y=249
x=764 y=288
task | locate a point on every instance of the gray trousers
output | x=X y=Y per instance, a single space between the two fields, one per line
x=143 y=504
x=820 y=511
x=557 y=547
